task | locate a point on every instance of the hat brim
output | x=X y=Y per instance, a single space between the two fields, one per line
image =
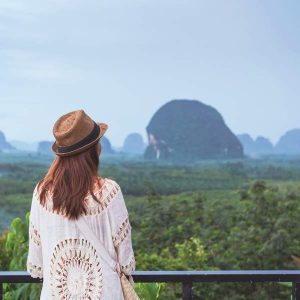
x=103 y=128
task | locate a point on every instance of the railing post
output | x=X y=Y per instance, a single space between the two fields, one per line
x=187 y=291
x=296 y=290
x=1 y=291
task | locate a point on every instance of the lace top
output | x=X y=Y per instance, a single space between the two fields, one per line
x=69 y=264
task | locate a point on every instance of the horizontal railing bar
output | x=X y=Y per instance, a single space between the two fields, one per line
x=218 y=276
x=17 y=277
x=182 y=276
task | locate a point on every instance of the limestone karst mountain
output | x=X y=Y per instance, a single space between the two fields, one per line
x=4 y=144
x=260 y=145
x=247 y=142
x=45 y=147
x=263 y=145
x=134 y=144
x=189 y=130
x=106 y=146
x=289 y=143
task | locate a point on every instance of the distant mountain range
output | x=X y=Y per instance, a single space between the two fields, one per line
x=24 y=146
x=133 y=144
x=182 y=130
x=289 y=144
x=260 y=145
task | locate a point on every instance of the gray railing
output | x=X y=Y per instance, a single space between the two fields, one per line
x=187 y=278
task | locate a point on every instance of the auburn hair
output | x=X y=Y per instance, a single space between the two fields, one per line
x=68 y=181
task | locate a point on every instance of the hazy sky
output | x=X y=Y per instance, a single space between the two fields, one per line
x=121 y=60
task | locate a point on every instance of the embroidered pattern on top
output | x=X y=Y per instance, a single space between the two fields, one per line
x=122 y=232
x=34 y=270
x=105 y=194
x=75 y=271
x=34 y=234
x=130 y=267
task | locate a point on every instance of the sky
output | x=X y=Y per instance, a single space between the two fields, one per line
x=122 y=60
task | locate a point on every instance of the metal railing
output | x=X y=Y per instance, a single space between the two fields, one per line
x=187 y=278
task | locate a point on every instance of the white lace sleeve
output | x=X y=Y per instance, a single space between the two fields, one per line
x=121 y=233
x=34 y=258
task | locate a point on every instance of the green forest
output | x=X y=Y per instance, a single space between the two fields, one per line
x=210 y=215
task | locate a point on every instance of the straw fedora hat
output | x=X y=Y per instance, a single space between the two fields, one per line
x=75 y=132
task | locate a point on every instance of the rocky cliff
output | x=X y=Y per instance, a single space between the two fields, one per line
x=189 y=130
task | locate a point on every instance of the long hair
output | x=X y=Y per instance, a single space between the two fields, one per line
x=68 y=181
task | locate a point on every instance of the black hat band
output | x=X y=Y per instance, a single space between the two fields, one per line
x=85 y=141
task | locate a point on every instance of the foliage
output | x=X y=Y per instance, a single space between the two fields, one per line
x=17 y=250
x=183 y=256
x=148 y=291
x=260 y=232
x=256 y=229
x=188 y=255
x=4 y=255
x=209 y=215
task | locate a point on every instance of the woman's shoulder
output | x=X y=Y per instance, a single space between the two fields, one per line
x=105 y=194
x=36 y=192
x=105 y=183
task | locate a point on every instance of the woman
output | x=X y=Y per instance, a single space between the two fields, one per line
x=69 y=263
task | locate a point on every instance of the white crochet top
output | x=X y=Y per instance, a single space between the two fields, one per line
x=68 y=263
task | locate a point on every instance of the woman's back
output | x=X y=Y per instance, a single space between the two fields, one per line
x=69 y=264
